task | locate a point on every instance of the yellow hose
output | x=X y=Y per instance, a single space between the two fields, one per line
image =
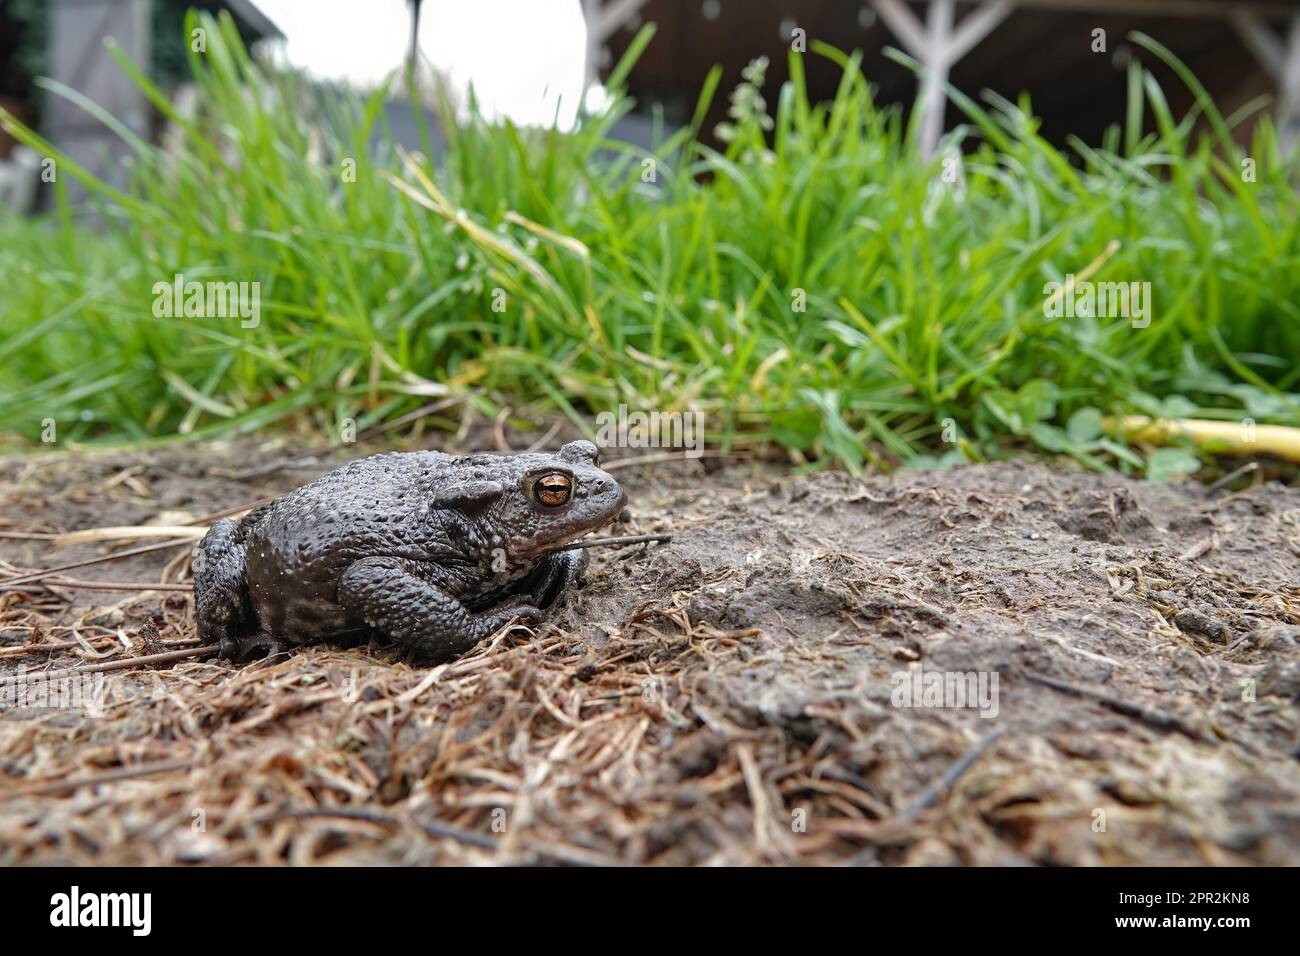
x=1243 y=438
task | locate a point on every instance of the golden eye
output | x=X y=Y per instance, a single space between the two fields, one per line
x=553 y=490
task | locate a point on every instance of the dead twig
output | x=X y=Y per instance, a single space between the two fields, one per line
x=78 y=584
x=1201 y=549
x=123 y=664
x=86 y=562
x=432 y=827
x=1155 y=718
x=615 y=542
x=437 y=830
x=670 y=456
x=128 y=532
x=49 y=647
x=237 y=510
x=1230 y=477
x=56 y=787
x=931 y=794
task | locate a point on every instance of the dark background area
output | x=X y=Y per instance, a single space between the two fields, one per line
x=1044 y=52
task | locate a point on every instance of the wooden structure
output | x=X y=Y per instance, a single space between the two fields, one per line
x=1239 y=49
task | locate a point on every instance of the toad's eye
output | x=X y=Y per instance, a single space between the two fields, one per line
x=553 y=490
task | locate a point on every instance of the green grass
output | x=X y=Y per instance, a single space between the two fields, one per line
x=924 y=299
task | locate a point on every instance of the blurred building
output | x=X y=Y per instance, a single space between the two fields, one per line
x=65 y=41
x=1069 y=55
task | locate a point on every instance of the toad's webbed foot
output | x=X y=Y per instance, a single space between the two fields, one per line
x=394 y=600
x=249 y=647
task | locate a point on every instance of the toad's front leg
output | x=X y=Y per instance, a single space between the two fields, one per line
x=554 y=572
x=391 y=598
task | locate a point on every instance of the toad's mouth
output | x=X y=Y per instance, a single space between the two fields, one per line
x=573 y=540
x=576 y=542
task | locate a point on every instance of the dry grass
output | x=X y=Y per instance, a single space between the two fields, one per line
x=533 y=750
x=722 y=700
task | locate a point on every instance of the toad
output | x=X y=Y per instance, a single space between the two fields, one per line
x=431 y=551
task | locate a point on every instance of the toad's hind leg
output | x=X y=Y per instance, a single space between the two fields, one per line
x=221 y=601
x=387 y=594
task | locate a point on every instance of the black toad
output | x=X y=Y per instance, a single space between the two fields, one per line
x=421 y=548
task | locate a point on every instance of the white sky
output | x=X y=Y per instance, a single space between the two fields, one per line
x=522 y=56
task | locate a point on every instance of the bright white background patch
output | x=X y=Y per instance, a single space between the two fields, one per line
x=525 y=58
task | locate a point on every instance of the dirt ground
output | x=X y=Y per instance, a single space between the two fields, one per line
x=730 y=697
